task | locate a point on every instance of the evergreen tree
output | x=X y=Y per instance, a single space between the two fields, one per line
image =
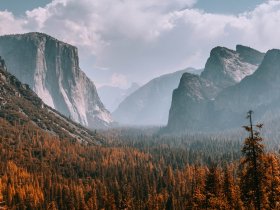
x=253 y=167
x=213 y=194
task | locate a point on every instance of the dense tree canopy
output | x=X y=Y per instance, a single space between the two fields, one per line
x=132 y=171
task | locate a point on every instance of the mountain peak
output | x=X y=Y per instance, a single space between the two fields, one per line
x=270 y=67
x=221 y=51
x=195 y=86
x=239 y=48
x=38 y=36
x=272 y=52
x=226 y=67
x=270 y=61
x=187 y=77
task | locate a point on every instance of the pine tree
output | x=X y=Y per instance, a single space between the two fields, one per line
x=252 y=167
x=213 y=194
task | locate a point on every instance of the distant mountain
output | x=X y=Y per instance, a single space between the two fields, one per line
x=51 y=68
x=113 y=96
x=195 y=103
x=20 y=105
x=149 y=104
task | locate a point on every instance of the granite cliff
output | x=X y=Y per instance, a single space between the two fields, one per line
x=51 y=68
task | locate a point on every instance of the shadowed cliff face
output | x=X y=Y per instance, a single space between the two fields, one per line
x=191 y=103
x=51 y=69
x=210 y=101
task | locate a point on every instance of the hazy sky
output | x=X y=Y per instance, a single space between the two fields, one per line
x=125 y=41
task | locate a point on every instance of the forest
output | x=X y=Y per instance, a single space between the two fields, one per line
x=137 y=169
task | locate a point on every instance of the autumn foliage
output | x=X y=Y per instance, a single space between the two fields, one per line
x=41 y=171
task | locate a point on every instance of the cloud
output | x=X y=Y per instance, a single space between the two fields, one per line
x=9 y=24
x=138 y=40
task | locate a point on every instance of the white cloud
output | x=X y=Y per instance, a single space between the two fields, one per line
x=137 y=40
x=9 y=24
x=89 y=21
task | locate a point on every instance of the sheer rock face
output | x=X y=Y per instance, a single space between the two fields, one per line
x=197 y=104
x=51 y=68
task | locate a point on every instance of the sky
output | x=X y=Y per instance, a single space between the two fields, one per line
x=126 y=41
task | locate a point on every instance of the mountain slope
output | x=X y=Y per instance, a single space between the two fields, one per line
x=51 y=69
x=149 y=104
x=192 y=109
x=19 y=104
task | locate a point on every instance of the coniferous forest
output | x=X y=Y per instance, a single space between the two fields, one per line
x=133 y=170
